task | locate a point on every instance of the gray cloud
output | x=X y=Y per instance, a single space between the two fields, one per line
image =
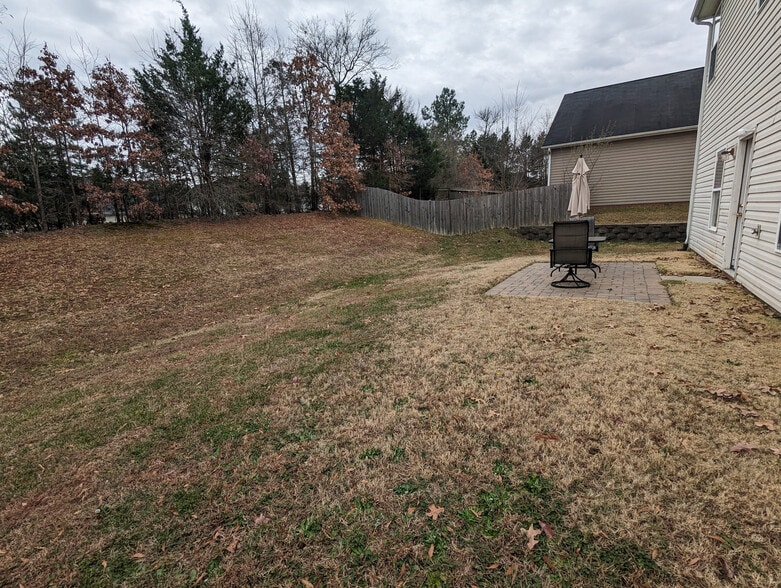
x=482 y=49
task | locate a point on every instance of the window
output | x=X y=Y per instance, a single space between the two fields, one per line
x=714 y=48
x=715 y=199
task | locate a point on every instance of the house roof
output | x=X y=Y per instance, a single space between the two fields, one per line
x=652 y=105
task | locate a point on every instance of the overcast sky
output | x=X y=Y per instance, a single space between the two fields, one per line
x=482 y=49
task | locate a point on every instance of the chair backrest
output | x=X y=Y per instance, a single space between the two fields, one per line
x=570 y=243
x=591 y=224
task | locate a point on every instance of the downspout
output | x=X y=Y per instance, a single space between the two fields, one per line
x=550 y=156
x=705 y=72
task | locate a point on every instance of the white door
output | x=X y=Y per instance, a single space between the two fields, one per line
x=743 y=168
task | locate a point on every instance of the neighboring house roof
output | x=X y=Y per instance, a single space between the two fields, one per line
x=651 y=105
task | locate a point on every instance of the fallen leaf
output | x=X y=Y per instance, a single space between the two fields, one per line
x=694 y=561
x=138 y=555
x=260 y=519
x=775 y=450
x=531 y=533
x=728 y=571
x=493 y=566
x=233 y=544
x=307 y=583
x=726 y=394
x=546 y=437
x=767 y=424
x=717 y=538
x=546 y=528
x=743 y=447
x=434 y=511
x=104 y=563
x=431 y=551
x=411 y=510
x=548 y=563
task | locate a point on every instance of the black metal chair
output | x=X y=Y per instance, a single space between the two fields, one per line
x=571 y=251
x=591 y=233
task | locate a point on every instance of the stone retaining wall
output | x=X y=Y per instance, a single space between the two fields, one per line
x=649 y=232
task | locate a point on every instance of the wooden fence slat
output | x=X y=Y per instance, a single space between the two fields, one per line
x=536 y=206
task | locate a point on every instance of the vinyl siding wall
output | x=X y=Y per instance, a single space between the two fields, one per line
x=633 y=171
x=744 y=95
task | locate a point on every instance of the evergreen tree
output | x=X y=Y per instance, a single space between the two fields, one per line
x=199 y=112
x=395 y=151
x=447 y=123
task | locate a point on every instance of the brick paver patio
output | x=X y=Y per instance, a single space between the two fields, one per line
x=624 y=280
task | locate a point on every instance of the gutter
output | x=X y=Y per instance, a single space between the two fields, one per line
x=706 y=69
x=624 y=137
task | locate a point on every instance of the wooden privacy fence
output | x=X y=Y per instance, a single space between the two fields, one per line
x=534 y=207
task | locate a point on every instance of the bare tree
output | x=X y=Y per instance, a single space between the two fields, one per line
x=253 y=49
x=488 y=118
x=345 y=49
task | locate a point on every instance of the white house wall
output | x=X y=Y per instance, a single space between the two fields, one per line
x=646 y=170
x=743 y=97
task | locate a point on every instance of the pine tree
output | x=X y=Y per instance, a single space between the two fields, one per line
x=199 y=112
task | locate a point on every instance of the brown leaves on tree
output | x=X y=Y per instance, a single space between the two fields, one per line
x=119 y=143
x=341 y=179
x=472 y=174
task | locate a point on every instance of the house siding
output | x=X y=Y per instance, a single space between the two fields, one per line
x=643 y=170
x=744 y=96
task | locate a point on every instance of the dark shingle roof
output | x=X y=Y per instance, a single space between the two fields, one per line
x=659 y=103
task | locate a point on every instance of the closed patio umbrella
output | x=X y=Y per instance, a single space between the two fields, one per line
x=580 y=200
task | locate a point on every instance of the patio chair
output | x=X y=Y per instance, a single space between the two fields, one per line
x=571 y=251
x=591 y=233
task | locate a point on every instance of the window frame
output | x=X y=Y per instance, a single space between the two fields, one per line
x=778 y=233
x=714 y=48
x=716 y=190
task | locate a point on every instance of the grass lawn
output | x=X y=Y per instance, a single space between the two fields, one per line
x=313 y=401
x=674 y=212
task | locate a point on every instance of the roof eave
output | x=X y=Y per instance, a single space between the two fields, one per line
x=624 y=137
x=705 y=9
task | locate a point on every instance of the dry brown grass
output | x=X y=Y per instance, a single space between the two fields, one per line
x=672 y=212
x=279 y=401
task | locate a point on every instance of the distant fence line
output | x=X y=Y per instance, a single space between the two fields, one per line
x=533 y=207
